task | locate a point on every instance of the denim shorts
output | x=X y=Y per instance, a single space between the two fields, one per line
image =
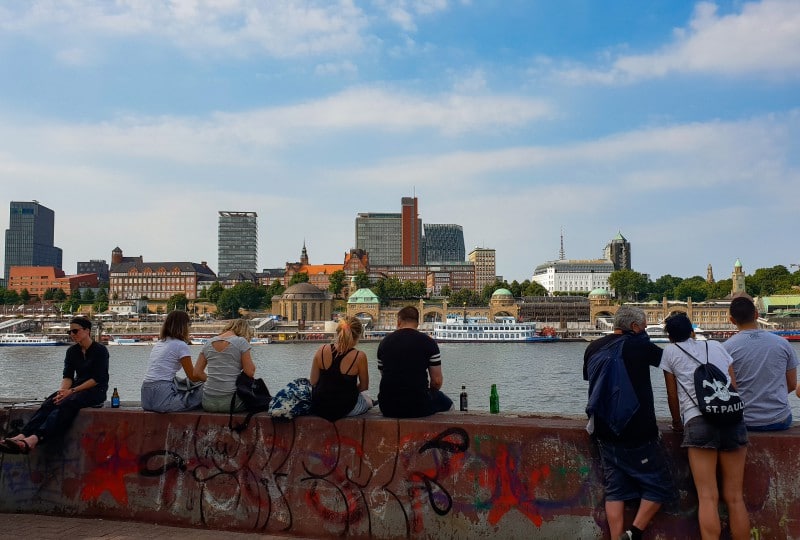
x=640 y=472
x=699 y=433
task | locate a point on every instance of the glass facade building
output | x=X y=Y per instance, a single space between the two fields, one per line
x=444 y=243
x=29 y=237
x=237 y=243
x=380 y=235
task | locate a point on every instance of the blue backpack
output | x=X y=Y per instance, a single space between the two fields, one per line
x=292 y=400
x=611 y=394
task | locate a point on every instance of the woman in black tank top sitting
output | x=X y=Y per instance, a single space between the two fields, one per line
x=339 y=374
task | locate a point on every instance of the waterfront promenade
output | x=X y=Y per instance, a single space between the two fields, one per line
x=39 y=527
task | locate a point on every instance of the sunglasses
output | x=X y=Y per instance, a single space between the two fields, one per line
x=74 y=330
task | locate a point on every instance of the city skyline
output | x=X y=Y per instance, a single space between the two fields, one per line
x=676 y=124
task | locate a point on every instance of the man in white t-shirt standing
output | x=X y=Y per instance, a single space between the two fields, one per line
x=765 y=366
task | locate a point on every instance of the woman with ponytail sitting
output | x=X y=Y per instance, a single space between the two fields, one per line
x=339 y=375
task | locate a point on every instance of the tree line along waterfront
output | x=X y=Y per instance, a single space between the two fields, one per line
x=628 y=285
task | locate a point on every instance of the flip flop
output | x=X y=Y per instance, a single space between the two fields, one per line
x=10 y=446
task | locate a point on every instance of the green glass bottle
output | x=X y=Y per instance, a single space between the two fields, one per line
x=494 y=400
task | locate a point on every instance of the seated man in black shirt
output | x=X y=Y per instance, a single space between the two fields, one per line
x=84 y=384
x=406 y=358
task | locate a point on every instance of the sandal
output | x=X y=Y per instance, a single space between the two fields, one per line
x=10 y=446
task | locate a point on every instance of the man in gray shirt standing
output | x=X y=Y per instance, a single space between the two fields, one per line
x=765 y=366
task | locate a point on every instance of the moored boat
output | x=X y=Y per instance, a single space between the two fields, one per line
x=116 y=340
x=24 y=340
x=481 y=330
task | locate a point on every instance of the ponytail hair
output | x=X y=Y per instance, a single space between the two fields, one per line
x=348 y=332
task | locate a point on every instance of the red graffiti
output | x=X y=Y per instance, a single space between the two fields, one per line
x=110 y=463
x=509 y=494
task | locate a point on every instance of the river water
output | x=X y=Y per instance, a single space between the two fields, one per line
x=531 y=378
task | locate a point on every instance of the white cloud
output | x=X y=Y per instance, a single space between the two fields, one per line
x=283 y=29
x=762 y=39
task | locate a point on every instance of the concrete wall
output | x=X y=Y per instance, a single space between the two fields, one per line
x=453 y=475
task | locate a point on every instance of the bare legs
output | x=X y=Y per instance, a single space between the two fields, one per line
x=703 y=462
x=615 y=515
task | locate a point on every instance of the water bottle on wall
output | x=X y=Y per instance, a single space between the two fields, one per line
x=494 y=400
x=463 y=398
x=115 y=399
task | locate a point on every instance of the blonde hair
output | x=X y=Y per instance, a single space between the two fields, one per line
x=348 y=332
x=240 y=327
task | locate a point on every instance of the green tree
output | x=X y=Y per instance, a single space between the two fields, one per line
x=446 y=291
x=361 y=280
x=25 y=296
x=101 y=302
x=203 y=294
x=48 y=294
x=59 y=295
x=663 y=287
x=177 y=301
x=337 y=279
x=694 y=287
x=628 y=284
x=276 y=289
x=414 y=289
x=516 y=289
x=719 y=289
x=88 y=296
x=245 y=295
x=299 y=277
x=214 y=292
x=489 y=289
x=767 y=281
x=10 y=297
x=465 y=297
x=534 y=288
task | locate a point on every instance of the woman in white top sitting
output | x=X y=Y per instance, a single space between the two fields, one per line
x=160 y=391
x=711 y=447
x=224 y=357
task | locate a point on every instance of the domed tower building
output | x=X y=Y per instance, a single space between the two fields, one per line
x=303 y=302
x=503 y=303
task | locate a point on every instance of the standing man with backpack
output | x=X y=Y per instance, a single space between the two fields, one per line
x=625 y=430
x=765 y=365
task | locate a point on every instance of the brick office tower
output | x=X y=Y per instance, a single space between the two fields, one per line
x=411 y=231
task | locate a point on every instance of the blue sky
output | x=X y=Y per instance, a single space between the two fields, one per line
x=675 y=123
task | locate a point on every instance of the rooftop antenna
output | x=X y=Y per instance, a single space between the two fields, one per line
x=561 y=255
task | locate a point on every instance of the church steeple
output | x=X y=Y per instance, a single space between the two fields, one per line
x=709 y=275
x=737 y=278
x=304 y=254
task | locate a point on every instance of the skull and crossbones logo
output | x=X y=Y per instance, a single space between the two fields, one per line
x=720 y=391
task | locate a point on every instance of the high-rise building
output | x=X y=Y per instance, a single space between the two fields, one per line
x=618 y=251
x=379 y=234
x=94 y=266
x=411 y=231
x=237 y=242
x=485 y=266
x=29 y=237
x=443 y=243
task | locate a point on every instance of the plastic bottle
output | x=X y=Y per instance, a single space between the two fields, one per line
x=115 y=399
x=463 y=398
x=494 y=400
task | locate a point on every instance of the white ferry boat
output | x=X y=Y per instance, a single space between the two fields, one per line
x=659 y=335
x=259 y=341
x=23 y=340
x=480 y=329
x=129 y=341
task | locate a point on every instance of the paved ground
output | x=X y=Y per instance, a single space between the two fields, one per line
x=37 y=527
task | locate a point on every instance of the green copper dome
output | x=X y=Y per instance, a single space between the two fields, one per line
x=363 y=296
x=502 y=292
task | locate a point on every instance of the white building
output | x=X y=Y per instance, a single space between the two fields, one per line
x=574 y=275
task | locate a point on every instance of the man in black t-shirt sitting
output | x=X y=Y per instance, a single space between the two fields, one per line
x=406 y=358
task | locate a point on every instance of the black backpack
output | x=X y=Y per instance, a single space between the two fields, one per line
x=714 y=396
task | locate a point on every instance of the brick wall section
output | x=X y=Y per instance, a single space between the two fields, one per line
x=450 y=476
